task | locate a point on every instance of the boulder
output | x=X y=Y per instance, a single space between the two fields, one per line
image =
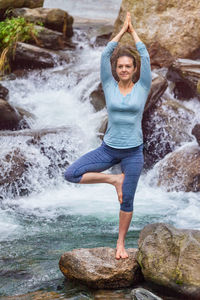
x=55 y=19
x=196 y=132
x=51 y=39
x=98 y=268
x=165 y=127
x=97 y=98
x=180 y=170
x=170 y=257
x=7 y=4
x=9 y=116
x=31 y=57
x=143 y=294
x=3 y=92
x=185 y=73
x=170 y=29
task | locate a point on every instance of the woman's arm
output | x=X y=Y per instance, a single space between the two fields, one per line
x=106 y=72
x=145 y=68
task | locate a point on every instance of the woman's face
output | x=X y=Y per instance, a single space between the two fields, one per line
x=125 y=68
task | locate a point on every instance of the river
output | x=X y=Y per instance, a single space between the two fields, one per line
x=57 y=216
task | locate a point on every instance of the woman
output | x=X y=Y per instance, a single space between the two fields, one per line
x=123 y=140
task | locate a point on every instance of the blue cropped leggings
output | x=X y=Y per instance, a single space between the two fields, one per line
x=104 y=157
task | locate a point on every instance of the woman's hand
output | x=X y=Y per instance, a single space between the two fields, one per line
x=130 y=28
x=126 y=23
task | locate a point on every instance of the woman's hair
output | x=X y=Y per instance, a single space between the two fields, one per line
x=124 y=51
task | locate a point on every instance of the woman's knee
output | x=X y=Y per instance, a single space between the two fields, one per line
x=69 y=175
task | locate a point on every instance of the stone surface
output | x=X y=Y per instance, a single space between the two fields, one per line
x=180 y=170
x=170 y=257
x=196 y=132
x=98 y=268
x=9 y=117
x=143 y=294
x=6 y=4
x=3 y=92
x=51 y=39
x=38 y=295
x=52 y=18
x=170 y=29
x=185 y=73
x=31 y=57
x=165 y=127
x=97 y=98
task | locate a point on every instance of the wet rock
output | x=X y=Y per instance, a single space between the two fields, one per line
x=143 y=294
x=103 y=127
x=6 y=4
x=38 y=295
x=9 y=117
x=173 y=32
x=170 y=257
x=180 y=170
x=165 y=127
x=51 y=39
x=13 y=165
x=97 y=98
x=186 y=76
x=52 y=18
x=31 y=57
x=3 y=92
x=103 y=39
x=158 y=87
x=196 y=132
x=98 y=268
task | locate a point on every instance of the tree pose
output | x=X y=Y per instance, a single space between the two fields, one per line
x=123 y=140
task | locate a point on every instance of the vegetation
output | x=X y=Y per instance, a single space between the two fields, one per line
x=12 y=31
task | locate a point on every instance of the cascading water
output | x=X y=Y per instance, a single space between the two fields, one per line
x=42 y=216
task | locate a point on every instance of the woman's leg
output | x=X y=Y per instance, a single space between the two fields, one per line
x=86 y=170
x=131 y=167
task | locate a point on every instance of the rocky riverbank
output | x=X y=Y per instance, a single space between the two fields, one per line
x=171 y=128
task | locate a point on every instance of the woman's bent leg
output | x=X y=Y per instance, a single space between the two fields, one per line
x=131 y=166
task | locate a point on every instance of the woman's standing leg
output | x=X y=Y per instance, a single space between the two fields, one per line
x=131 y=166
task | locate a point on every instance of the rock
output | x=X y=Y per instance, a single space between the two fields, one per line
x=170 y=257
x=6 y=4
x=38 y=295
x=170 y=29
x=143 y=294
x=31 y=57
x=158 y=87
x=196 y=132
x=97 y=98
x=103 y=127
x=103 y=39
x=98 y=268
x=51 y=39
x=55 y=19
x=180 y=170
x=3 y=92
x=13 y=165
x=165 y=127
x=185 y=73
x=9 y=117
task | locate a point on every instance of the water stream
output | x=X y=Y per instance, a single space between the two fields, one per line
x=56 y=216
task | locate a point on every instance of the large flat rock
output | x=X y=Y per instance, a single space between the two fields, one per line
x=98 y=268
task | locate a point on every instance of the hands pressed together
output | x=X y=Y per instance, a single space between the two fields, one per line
x=127 y=26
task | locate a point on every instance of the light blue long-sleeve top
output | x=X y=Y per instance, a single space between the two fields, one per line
x=124 y=128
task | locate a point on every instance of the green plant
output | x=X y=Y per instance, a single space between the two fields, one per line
x=12 y=31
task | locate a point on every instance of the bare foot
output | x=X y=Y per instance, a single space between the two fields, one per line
x=121 y=252
x=118 y=181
